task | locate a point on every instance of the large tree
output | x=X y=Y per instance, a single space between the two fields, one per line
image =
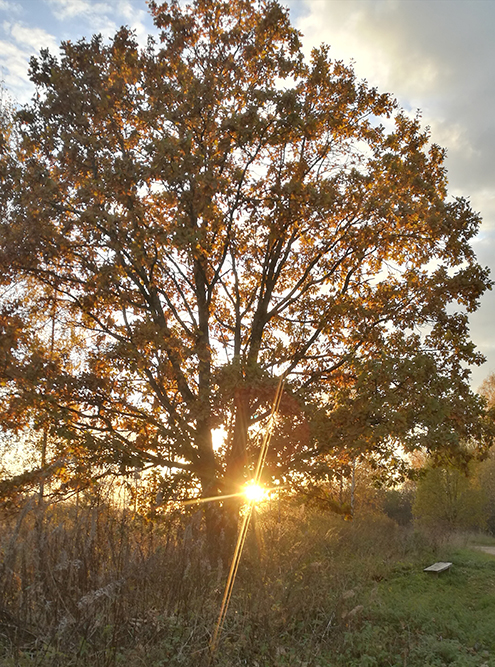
x=183 y=223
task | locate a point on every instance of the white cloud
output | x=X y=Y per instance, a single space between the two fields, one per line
x=11 y=7
x=69 y=9
x=433 y=55
x=78 y=18
x=33 y=38
x=436 y=56
x=14 y=65
x=15 y=52
x=101 y=17
x=92 y=17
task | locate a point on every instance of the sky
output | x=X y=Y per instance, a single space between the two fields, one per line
x=436 y=56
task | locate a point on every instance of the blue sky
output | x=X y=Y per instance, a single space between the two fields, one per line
x=434 y=55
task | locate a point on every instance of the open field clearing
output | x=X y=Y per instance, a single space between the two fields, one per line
x=411 y=618
x=104 y=589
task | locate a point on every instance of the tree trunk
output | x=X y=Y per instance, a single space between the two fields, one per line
x=235 y=470
x=353 y=486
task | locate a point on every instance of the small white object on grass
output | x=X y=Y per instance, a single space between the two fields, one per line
x=436 y=568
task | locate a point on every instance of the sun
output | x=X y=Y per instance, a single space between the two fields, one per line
x=254 y=492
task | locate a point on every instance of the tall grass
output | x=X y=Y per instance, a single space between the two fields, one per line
x=90 y=584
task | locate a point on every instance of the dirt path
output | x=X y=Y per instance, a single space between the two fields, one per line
x=487 y=550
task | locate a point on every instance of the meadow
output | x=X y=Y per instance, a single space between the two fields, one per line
x=84 y=584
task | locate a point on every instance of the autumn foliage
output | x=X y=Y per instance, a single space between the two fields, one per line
x=183 y=223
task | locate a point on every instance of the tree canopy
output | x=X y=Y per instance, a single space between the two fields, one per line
x=183 y=223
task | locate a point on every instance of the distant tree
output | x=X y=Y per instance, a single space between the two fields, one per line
x=208 y=213
x=447 y=498
x=487 y=389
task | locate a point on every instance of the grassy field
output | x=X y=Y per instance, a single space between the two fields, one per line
x=89 y=586
x=417 y=619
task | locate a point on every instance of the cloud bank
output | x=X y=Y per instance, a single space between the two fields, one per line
x=437 y=57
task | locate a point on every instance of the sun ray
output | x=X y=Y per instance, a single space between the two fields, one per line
x=211 y=499
x=246 y=518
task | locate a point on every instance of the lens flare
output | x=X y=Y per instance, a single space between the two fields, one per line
x=254 y=493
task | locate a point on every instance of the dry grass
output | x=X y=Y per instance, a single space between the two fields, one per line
x=91 y=585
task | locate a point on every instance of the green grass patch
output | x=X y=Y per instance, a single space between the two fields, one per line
x=417 y=619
